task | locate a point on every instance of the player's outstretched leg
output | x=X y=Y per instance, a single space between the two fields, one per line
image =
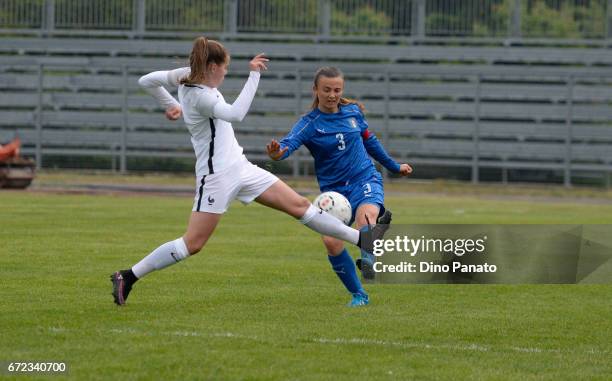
x=281 y=197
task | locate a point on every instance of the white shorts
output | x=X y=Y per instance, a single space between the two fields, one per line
x=243 y=181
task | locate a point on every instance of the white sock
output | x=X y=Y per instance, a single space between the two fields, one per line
x=326 y=224
x=167 y=254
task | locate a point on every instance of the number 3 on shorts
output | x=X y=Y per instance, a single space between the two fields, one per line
x=367 y=189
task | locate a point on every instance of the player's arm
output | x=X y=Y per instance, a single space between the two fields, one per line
x=291 y=142
x=238 y=110
x=378 y=152
x=155 y=83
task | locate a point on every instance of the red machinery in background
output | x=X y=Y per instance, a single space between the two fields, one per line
x=15 y=171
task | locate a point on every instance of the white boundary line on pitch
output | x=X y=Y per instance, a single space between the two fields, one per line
x=470 y=347
x=341 y=341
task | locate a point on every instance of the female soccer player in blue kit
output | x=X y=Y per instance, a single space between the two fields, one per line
x=336 y=133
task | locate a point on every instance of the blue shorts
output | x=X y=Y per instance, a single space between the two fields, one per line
x=368 y=190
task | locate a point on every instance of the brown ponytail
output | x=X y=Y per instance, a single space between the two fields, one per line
x=332 y=72
x=204 y=53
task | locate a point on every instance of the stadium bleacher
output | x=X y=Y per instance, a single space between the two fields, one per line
x=476 y=107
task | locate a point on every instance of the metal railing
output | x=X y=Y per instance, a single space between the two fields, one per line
x=319 y=19
x=475 y=141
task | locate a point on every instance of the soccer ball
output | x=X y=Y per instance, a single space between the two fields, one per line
x=335 y=204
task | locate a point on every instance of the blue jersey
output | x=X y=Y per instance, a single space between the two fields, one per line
x=339 y=143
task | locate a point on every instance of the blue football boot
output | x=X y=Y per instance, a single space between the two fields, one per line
x=359 y=299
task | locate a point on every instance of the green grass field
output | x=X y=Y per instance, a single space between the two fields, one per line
x=260 y=302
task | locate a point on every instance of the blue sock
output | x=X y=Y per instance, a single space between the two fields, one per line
x=345 y=269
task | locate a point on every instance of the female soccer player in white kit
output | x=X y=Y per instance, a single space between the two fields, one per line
x=222 y=171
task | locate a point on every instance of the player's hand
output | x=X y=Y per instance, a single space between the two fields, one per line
x=274 y=150
x=405 y=170
x=173 y=112
x=258 y=63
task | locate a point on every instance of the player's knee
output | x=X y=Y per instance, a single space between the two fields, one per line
x=303 y=202
x=300 y=207
x=361 y=220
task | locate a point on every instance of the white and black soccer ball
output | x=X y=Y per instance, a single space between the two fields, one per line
x=335 y=204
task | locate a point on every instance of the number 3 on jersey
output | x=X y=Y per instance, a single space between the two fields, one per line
x=342 y=143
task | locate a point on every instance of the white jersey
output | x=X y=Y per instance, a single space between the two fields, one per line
x=213 y=139
x=207 y=116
